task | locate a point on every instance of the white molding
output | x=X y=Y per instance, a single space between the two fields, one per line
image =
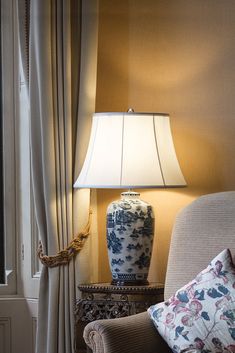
x=5 y=334
x=18 y=322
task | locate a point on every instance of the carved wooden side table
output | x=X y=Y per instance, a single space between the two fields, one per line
x=106 y=301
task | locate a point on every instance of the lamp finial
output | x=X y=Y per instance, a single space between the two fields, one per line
x=130 y=110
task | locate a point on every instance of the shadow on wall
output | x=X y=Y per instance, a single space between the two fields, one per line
x=201 y=161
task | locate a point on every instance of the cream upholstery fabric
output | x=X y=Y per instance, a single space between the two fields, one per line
x=201 y=231
x=135 y=333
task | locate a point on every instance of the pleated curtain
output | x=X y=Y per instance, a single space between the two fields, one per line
x=59 y=61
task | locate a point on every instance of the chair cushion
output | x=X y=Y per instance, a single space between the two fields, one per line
x=200 y=317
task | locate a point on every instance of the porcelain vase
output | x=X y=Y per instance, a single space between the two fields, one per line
x=130 y=232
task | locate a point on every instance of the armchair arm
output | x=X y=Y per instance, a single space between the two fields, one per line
x=131 y=334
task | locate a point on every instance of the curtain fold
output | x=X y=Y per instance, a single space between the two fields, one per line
x=23 y=8
x=50 y=82
x=61 y=84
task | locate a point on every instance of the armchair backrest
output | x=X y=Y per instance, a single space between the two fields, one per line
x=201 y=231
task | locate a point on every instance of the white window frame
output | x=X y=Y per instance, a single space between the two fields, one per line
x=28 y=237
x=10 y=84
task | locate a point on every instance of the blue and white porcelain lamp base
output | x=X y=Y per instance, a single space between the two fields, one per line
x=130 y=232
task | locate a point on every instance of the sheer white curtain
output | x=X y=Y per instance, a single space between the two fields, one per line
x=62 y=53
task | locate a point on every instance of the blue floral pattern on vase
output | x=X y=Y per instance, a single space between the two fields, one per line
x=130 y=231
x=200 y=317
x=114 y=243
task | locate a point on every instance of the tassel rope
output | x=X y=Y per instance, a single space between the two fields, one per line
x=64 y=256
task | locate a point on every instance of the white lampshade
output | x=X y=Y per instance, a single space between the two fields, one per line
x=130 y=150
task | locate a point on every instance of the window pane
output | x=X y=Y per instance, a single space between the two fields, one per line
x=2 y=267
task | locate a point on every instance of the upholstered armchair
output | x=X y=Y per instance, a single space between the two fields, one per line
x=201 y=231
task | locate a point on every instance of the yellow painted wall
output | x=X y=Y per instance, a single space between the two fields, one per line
x=174 y=56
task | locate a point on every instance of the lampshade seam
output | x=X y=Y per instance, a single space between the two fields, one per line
x=158 y=155
x=121 y=176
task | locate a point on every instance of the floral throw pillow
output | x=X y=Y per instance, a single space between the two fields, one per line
x=200 y=317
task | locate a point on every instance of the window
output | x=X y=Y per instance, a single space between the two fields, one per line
x=2 y=259
x=19 y=233
x=8 y=86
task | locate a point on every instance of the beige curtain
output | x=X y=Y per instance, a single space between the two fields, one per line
x=61 y=83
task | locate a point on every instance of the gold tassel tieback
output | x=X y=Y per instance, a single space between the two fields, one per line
x=64 y=256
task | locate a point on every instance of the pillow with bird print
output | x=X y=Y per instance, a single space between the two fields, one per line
x=200 y=317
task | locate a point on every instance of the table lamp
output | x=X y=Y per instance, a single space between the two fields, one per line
x=126 y=151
